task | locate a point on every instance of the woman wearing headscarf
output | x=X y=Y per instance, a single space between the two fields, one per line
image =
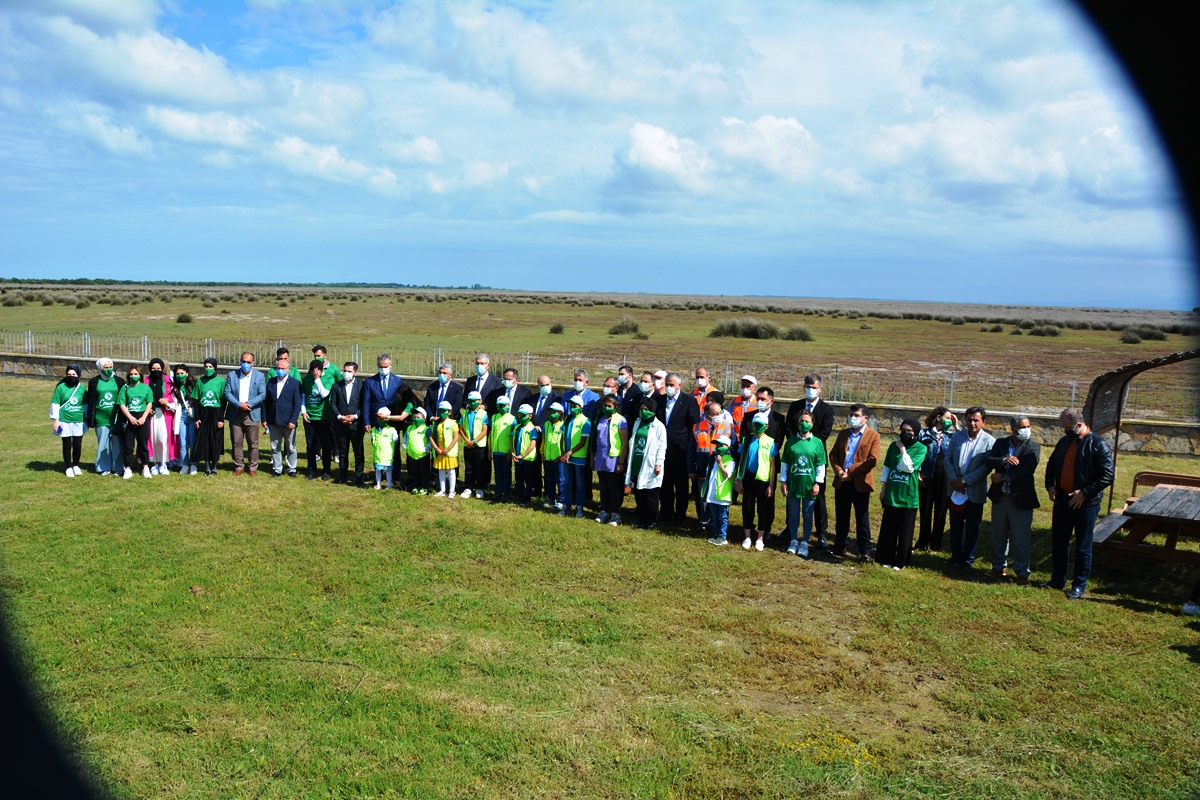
x=67 y=413
x=899 y=496
x=184 y=426
x=135 y=402
x=208 y=399
x=101 y=415
x=162 y=418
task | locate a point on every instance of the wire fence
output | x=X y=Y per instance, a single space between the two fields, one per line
x=904 y=388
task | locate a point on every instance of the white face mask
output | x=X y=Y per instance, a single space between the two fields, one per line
x=659 y=382
x=1024 y=433
x=622 y=379
x=672 y=391
x=747 y=393
x=579 y=386
x=811 y=392
x=701 y=382
x=385 y=371
x=349 y=376
x=508 y=383
x=645 y=387
x=1079 y=429
x=856 y=421
x=544 y=391
x=763 y=405
x=608 y=390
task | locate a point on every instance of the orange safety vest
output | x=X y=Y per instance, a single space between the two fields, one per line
x=705 y=434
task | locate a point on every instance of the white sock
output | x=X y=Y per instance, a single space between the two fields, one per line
x=442 y=481
x=388 y=473
x=452 y=476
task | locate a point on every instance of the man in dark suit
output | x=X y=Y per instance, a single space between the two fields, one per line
x=517 y=394
x=281 y=411
x=380 y=390
x=822 y=420
x=1013 y=493
x=484 y=382
x=346 y=402
x=444 y=389
x=776 y=424
x=540 y=403
x=628 y=393
x=680 y=414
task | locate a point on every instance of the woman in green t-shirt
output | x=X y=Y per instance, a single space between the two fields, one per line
x=208 y=401
x=135 y=402
x=66 y=418
x=900 y=497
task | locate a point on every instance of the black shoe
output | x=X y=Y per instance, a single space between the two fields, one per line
x=292 y=473
x=1076 y=593
x=275 y=474
x=310 y=476
x=1050 y=585
x=325 y=476
x=653 y=526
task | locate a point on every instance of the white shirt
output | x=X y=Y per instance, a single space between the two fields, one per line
x=279 y=384
x=244 y=387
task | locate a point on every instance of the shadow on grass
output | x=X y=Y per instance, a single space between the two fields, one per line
x=44 y=466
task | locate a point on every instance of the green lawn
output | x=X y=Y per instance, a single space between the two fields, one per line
x=221 y=637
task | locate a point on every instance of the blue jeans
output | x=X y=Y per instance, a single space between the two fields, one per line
x=964 y=532
x=108 y=451
x=795 y=507
x=718 y=520
x=1065 y=521
x=552 y=481
x=187 y=435
x=502 y=473
x=575 y=485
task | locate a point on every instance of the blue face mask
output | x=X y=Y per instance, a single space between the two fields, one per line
x=246 y=368
x=481 y=369
x=443 y=378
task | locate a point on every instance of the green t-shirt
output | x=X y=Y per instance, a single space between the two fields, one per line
x=136 y=397
x=106 y=401
x=902 y=489
x=800 y=460
x=69 y=401
x=315 y=405
x=639 y=449
x=209 y=392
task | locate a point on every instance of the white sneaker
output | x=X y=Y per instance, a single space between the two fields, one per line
x=146 y=472
x=479 y=494
x=442 y=493
x=603 y=518
x=189 y=470
x=759 y=545
x=106 y=472
x=1191 y=609
x=747 y=543
x=465 y=493
x=69 y=472
x=128 y=473
x=77 y=470
x=615 y=520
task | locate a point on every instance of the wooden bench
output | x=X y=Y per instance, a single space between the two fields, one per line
x=1148 y=478
x=1109 y=524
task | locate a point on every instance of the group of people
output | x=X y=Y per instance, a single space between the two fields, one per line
x=642 y=434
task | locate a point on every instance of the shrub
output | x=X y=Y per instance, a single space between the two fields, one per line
x=641 y=337
x=1130 y=336
x=746 y=328
x=866 y=326
x=627 y=325
x=557 y=327
x=1016 y=332
x=1026 y=324
x=82 y=304
x=184 y=318
x=14 y=301
x=799 y=333
x=957 y=321
x=996 y=329
x=1147 y=332
x=1045 y=330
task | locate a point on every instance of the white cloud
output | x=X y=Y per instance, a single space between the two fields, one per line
x=327 y=163
x=655 y=157
x=103 y=16
x=780 y=146
x=214 y=128
x=417 y=150
x=116 y=138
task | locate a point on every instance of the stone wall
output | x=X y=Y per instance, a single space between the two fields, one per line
x=1137 y=436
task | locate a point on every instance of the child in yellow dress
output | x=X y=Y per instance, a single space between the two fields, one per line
x=445 y=450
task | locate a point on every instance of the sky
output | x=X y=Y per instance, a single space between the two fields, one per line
x=946 y=151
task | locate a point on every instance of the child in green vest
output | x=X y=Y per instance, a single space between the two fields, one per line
x=552 y=468
x=500 y=443
x=524 y=452
x=718 y=493
x=416 y=447
x=383 y=446
x=756 y=472
x=473 y=432
x=803 y=467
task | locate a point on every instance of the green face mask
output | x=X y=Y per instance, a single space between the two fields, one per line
x=947 y=424
x=107 y=373
x=805 y=427
x=443 y=414
x=722 y=450
x=181 y=377
x=522 y=418
x=647 y=414
x=759 y=428
x=473 y=405
x=555 y=416
x=135 y=378
x=209 y=371
x=609 y=411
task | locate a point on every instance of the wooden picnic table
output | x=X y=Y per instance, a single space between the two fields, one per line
x=1166 y=509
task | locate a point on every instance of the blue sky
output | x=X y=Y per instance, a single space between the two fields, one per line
x=966 y=151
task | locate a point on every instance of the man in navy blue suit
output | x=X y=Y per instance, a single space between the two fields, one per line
x=541 y=403
x=380 y=390
x=444 y=389
x=484 y=382
x=281 y=410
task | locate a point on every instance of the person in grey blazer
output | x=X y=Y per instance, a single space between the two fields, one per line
x=245 y=391
x=967 y=483
x=1014 y=497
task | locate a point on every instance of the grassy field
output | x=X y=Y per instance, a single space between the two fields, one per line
x=221 y=637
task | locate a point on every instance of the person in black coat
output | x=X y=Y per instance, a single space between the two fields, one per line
x=1078 y=472
x=540 y=402
x=517 y=394
x=822 y=420
x=484 y=382
x=443 y=388
x=680 y=414
x=281 y=411
x=347 y=405
x=1013 y=493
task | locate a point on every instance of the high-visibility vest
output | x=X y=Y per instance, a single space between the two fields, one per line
x=521 y=441
x=763 y=473
x=705 y=433
x=701 y=396
x=614 y=435
x=724 y=485
x=444 y=432
x=416 y=440
x=500 y=437
x=472 y=422
x=574 y=433
x=552 y=440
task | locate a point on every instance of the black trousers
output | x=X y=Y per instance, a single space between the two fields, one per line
x=347 y=438
x=478 y=468
x=894 y=547
x=647 y=505
x=137 y=436
x=934 y=504
x=675 y=494
x=72 y=448
x=755 y=502
x=318 y=436
x=846 y=498
x=821 y=516
x=418 y=472
x=612 y=491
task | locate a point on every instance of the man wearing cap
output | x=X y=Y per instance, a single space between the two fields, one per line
x=660 y=385
x=281 y=414
x=966 y=464
x=744 y=401
x=500 y=430
x=484 y=382
x=245 y=391
x=853 y=458
x=473 y=429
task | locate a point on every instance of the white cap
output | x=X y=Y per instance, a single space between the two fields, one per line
x=445 y=405
x=503 y=400
x=762 y=417
x=722 y=439
x=525 y=409
x=577 y=400
x=474 y=396
x=662 y=373
x=750 y=378
x=387 y=412
x=420 y=411
x=556 y=406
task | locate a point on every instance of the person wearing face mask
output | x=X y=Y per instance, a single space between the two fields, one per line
x=162 y=418
x=718 y=490
x=473 y=433
x=1078 y=472
x=1014 y=497
x=965 y=461
x=822 y=428
x=382 y=390
x=184 y=428
x=591 y=400
x=627 y=391
x=245 y=391
x=524 y=453
x=319 y=353
x=714 y=422
x=281 y=415
x=349 y=428
x=899 y=497
x=500 y=431
x=802 y=471
x=517 y=394
x=574 y=458
x=208 y=398
x=758 y=467
x=484 y=382
x=610 y=448
x=540 y=401
x=417 y=448
x=647 y=455
x=702 y=388
x=100 y=404
x=679 y=415
x=853 y=457
x=939 y=426
x=315 y=410
x=443 y=437
x=443 y=389
x=550 y=450
x=135 y=401
x=67 y=414
x=745 y=401
x=383 y=447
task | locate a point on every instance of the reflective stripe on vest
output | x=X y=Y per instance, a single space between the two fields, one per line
x=416 y=441
x=500 y=437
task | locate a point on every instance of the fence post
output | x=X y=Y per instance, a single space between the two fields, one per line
x=837 y=387
x=87 y=345
x=1072 y=394
x=29 y=342
x=208 y=348
x=952 y=378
